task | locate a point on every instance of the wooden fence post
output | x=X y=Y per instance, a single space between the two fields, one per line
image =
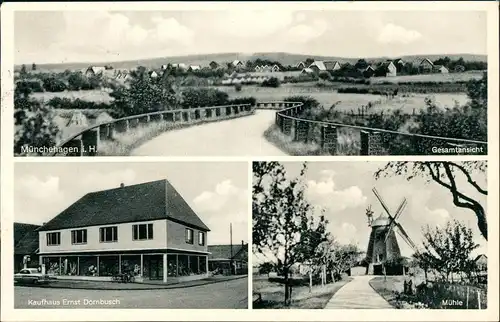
x=467 y=299
x=478 y=299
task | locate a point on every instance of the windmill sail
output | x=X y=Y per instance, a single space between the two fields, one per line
x=393 y=220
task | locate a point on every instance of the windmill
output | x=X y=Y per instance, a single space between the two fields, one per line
x=383 y=245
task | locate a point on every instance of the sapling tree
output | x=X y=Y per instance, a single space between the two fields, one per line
x=282 y=218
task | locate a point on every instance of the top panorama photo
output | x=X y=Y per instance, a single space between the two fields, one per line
x=250 y=83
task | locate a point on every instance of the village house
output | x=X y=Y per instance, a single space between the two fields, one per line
x=319 y=66
x=386 y=69
x=25 y=246
x=193 y=68
x=153 y=74
x=275 y=68
x=180 y=66
x=94 y=71
x=257 y=68
x=440 y=69
x=147 y=230
x=307 y=71
x=368 y=71
x=164 y=67
x=237 y=64
x=426 y=66
x=228 y=259
x=300 y=65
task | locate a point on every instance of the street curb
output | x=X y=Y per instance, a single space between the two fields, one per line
x=174 y=286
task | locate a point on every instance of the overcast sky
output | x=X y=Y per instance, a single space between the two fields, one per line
x=216 y=191
x=343 y=189
x=79 y=36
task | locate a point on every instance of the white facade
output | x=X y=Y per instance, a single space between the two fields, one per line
x=124 y=242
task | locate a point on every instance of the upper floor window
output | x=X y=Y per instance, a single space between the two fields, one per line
x=108 y=234
x=142 y=231
x=201 y=238
x=53 y=239
x=79 y=236
x=189 y=235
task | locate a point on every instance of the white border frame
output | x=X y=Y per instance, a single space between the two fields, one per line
x=7 y=300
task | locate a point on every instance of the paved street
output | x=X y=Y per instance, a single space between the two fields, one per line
x=235 y=137
x=224 y=295
x=358 y=294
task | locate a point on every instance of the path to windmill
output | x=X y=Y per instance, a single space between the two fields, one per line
x=236 y=137
x=358 y=294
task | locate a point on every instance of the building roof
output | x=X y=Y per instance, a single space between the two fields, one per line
x=21 y=229
x=236 y=63
x=427 y=60
x=223 y=252
x=153 y=200
x=195 y=67
x=96 y=69
x=330 y=65
x=481 y=257
x=29 y=244
x=318 y=63
x=307 y=70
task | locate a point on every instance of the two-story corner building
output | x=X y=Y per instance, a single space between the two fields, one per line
x=146 y=229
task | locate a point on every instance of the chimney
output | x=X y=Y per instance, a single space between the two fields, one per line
x=122 y=185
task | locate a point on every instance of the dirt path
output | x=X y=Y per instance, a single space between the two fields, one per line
x=358 y=294
x=235 y=137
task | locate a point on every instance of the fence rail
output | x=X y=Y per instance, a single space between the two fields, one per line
x=372 y=141
x=87 y=141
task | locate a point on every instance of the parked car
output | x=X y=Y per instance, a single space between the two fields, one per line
x=31 y=276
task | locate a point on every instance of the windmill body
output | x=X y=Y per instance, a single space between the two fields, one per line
x=381 y=250
x=383 y=254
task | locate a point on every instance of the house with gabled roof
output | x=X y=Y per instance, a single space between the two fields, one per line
x=440 y=69
x=320 y=66
x=237 y=63
x=193 y=68
x=386 y=69
x=426 y=66
x=300 y=65
x=332 y=65
x=94 y=71
x=147 y=230
x=228 y=259
x=25 y=245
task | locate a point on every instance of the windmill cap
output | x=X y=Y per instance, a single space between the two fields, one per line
x=381 y=221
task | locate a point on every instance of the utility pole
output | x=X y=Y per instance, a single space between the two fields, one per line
x=231 y=243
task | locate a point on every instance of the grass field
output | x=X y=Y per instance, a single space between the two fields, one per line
x=273 y=294
x=348 y=102
x=98 y=96
x=451 y=77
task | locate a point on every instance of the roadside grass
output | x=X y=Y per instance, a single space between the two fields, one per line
x=450 y=77
x=388 y=289
x=273 y=295
x=348 y=143
x=123 y=143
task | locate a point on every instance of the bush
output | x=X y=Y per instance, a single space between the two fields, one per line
x=30 y=85
x=238 y=87
x=195 y=97
x=79 y=104
x=33 y=124
x=271 y=82
x=243 y=100
x=52 y=84
x=309 y=102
